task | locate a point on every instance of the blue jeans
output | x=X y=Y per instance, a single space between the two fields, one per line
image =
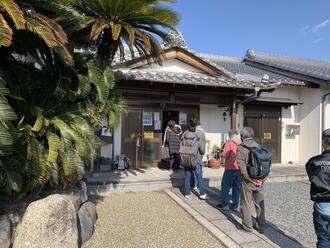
x=231 y=179
x=322 y=229
x=193 y=181
x=188 y=173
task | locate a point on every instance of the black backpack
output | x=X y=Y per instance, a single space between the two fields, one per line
x=188 y=153
x=260 y=160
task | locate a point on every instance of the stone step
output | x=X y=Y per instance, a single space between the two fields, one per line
x=105 y=187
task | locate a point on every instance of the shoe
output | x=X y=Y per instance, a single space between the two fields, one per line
x=195 y=188
x=187 y=196
x=249 y=230
x=203 y=197
x=259 y=230
x=237 y=210
x=222 y=207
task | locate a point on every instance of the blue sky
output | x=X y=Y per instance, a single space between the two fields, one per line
x=298 y=28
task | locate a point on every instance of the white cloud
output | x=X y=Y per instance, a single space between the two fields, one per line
x=321 y=25
x=316 y=41
x=304 y=29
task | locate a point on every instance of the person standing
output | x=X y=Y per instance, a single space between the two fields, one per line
x=189 y=137
x=252 y=190
x=194 y=182
x=231 y=176
x=318 y=171
x=172 y=140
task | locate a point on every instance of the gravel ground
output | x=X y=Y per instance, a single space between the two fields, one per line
x=146 y=220
x=288 y=206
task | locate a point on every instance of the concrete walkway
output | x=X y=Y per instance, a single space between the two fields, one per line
x=226 y=225
x=154 y=179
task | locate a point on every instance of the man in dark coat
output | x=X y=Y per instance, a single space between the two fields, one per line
x=318 y=171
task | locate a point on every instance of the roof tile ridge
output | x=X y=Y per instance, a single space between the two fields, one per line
x=211 y=55
x=302 y=59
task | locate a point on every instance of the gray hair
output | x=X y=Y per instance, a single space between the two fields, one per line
x=247 y=132
x=326 y=139
x=232 y=132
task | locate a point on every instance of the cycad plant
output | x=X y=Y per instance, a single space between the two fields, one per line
x=112 y=23
x=20 y=15
x=55 y=123
x=49 y=109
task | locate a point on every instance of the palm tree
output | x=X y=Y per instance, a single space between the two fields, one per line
x=49 y=106
x=54 y=122
x=112 y=23
x=24 y=17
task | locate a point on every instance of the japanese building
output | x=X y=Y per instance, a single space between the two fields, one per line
x=286 y=100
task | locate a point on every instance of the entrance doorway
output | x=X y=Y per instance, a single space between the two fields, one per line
x=266 y=122
x=143 y=129
x=170 y=115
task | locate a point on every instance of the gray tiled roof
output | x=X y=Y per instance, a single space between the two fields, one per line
x=190 y=79
x=313 y=68
x=241 y=71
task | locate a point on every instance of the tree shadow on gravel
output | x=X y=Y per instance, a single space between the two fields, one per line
x=274 y=233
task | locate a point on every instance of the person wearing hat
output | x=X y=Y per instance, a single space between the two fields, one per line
x=318 y=171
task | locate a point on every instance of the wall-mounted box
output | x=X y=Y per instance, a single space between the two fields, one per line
x=292 y=129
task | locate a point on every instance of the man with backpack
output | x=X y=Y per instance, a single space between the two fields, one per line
x=231 y=176
x=318 y=171
x=254 y=165
x=192 y=148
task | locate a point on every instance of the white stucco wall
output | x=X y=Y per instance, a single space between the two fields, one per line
x=117 y=139
x=327 y=107
x=290 y=143
x=216 y=128
x=106 y=150
x=173 y=65
x=240 y=117
x=310 y=123
x=290 y=115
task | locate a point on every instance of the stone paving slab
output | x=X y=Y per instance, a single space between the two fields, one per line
x=151 y=179
x=228 y=224
x=258 y=244
x=155 y=174
x=235 y=232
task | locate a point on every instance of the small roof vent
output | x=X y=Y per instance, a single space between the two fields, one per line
x=265 y=78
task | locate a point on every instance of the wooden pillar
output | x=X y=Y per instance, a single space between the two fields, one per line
x=234 y=114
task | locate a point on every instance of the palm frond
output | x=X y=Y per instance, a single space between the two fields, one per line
x=6 y=33
x=14 y=11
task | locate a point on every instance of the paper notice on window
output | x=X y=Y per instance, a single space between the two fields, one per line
x=147 y=118
x=182 y=118
x=157 y=124
x=156 y=116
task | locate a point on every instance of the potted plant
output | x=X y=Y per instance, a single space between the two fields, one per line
x=215 y=161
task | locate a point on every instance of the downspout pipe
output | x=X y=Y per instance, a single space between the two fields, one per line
x=324 y=104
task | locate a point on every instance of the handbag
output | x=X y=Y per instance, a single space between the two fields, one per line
x=165 y=152
x=165 y=149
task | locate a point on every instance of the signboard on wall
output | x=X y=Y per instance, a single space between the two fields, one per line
x=267 y=136
x=147 y=118
x=148 y=135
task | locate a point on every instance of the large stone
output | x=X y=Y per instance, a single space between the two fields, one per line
x=5 y=232
x=50 y=222
x=83 y=192
x=75 y=199
x=87 y=217
x=91 y=208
